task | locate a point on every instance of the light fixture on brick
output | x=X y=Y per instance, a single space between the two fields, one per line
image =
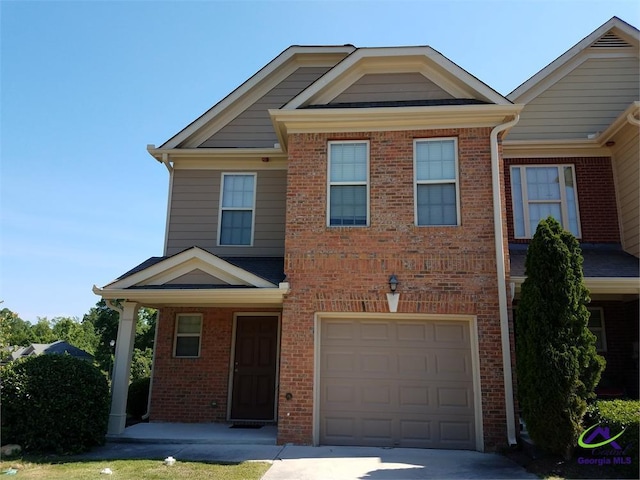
x=394 y=297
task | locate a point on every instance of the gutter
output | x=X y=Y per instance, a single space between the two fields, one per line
x=501 y=277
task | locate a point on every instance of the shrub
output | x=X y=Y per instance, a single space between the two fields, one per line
x=557 y=364
x=54 y=403
x=618 y=415
x=137 y=400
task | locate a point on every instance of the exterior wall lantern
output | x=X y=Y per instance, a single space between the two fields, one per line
x=394 y=297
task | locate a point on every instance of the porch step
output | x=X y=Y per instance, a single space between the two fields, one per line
x=196 y=433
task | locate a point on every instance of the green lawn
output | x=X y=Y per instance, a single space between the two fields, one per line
x=132 y=469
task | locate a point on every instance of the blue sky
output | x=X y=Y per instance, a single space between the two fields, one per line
x=85 y=86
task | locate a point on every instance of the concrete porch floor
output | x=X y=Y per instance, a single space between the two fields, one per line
x=196 y=433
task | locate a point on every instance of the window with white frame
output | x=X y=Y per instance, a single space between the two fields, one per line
x=436 y=182
x=237 y=207
x=188 y=335
x=596 y=325
x=540 y=191
x=348 y=188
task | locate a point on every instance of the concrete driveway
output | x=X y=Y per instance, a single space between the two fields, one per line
x=331 y=463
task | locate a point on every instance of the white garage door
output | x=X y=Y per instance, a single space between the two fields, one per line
x=396 y=383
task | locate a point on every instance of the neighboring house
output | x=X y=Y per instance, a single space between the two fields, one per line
x=574 y=155
x=338 y=242
x=59 y=347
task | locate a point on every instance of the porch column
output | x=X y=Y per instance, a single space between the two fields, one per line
x=122 y=367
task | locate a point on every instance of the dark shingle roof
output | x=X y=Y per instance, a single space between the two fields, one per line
x=401 y=103
x=600 y=260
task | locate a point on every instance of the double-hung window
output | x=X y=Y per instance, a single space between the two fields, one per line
x=596 y=325
x=540 y=191
x=237 y=207
x=348 y=188
x=188 y=334
x=436 y=182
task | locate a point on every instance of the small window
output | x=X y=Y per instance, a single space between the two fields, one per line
x=188 y=334
x=436 y=182
x=348 y=184
x=540 y=191
x=237 y=206
x=596 y=325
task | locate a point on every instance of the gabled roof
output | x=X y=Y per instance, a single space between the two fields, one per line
x=59 y=347
x=614 y=34
x=247 y=93
x=195 y=276
x=423 y=59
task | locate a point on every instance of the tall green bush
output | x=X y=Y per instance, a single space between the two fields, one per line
x=54 y=403
x=557 y=363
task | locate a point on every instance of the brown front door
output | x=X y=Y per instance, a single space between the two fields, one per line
x=254 y=368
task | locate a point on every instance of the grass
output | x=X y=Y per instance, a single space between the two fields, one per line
x=58 y=468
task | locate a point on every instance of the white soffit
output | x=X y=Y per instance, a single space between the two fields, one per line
x=425 y=60
x=186 y=262
x=602 y=43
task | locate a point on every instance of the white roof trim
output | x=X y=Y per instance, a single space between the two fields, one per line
x=431 y=63
x=219 y=297
x=228 y=109
x=184 y=262
x=566 y=62
x=600 y=285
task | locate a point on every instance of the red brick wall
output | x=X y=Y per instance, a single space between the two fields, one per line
x=442 y=270
x=183 y=388
x=596 y=196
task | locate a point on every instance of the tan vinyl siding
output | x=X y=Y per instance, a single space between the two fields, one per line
x=194 y=211
x=584 y=102
x=392 y=87
x=196 y=277
x=253 y=128
x=627 y=177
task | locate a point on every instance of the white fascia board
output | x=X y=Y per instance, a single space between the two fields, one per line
x=447 y=75
x=392 y=118
x=223 y=158
x=172 y=267
x=524 y=93
x=600 y=285
x=245 y=89
x=218 y=297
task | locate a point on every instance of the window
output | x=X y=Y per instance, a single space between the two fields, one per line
x=596 y=325
x=348 y=184
x=436 y=182
x=237 y=205
x=543 y=190
x=188 y=333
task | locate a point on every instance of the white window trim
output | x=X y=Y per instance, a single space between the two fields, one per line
x=176 y=334
x=417 y=182
x=253 y=208
x=601 y=327
x=528 y=234
x=331 y=184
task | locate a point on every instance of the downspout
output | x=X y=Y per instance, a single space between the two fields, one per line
x=631 y=118
x=502 y=281
x=167 y=162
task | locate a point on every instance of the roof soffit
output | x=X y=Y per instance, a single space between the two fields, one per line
x=186 y=262
x=424 y=60
x=253 y=89
x=587 y=48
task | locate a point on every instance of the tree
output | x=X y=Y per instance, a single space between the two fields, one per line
x=13 y=330
x=557 y=363
x=41 y=332
x=79 y=334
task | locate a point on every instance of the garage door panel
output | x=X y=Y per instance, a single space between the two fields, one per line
x=390 y=383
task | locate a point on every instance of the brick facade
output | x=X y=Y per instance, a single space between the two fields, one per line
x=597 y=205
x=442 y=270
x=184 y=388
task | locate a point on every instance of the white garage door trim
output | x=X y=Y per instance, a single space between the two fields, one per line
x=475 y=358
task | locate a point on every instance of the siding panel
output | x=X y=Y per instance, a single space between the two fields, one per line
x=253 y=128
x=627 y=171
x=195 y=206
x=585 y=101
